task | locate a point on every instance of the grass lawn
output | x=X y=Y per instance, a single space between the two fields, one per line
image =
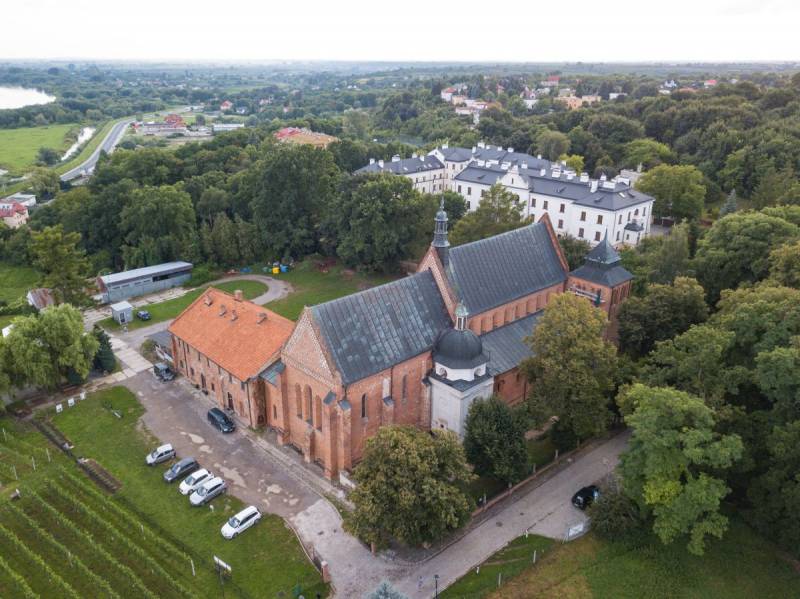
x=266 y=561
x=18 y=147
x=169 y=309
x=742 y=565
x=311 y=286
x=15 y=281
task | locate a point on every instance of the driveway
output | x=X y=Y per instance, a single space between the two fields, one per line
x=273 y=479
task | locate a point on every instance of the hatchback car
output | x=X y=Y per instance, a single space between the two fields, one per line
x=585 y=497
x=160 y=454
x=180 y=468
x=143 y=315
x=207 y=491
x=241 y=522
x=163 y=372
x=194 y=480
x=221 y=420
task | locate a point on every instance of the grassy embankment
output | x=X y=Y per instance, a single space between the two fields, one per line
x=18 y=147
x=15 y=281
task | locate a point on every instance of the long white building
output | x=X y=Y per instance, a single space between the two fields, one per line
x=576 y=204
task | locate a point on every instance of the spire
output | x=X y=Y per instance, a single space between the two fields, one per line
x=604 y=253
x=440 y=231
x=461 y=316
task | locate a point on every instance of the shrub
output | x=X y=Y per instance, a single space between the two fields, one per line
x=614 y=515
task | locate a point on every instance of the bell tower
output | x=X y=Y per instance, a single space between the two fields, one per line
x=440 y=241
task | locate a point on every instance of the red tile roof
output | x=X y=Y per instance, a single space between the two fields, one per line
x=240 y=336
x=14 y=208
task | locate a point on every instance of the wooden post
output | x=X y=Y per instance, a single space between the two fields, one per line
x=47 y=451
x=33 y=461
x=191 y=561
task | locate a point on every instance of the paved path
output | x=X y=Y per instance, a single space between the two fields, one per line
x=108 y=144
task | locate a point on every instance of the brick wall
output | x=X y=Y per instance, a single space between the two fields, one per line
x=484 y=322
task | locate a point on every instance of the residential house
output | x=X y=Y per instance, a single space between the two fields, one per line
x=13 y=214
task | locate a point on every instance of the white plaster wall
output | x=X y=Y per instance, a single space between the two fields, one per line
x=449 y=408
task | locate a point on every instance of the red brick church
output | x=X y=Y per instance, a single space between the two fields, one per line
x=414 y=351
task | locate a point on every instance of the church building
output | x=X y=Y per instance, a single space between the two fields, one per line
x=417 y=351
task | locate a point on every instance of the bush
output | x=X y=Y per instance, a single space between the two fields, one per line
x=563 y=437
x=614 y=515
x=201 y=275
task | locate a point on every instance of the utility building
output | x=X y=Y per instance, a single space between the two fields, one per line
x=141 y=281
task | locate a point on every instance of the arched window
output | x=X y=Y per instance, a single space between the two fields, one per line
x=318 y=412
x=364 y=405
x=298 y=401
x=404 y=387
x=307 y=393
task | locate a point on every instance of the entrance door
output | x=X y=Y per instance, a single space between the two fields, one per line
x=230 y=401
x=203 y=381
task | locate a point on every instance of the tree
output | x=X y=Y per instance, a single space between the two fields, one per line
x=494 y=440
x=674 y=463
x=574 y=249
x=104 y=359
x=784 y=265
x=386 y=591
x=64 y=265
x=573 y=161
x=777 y=374
x=454 y=205
x=774 y=187
x=211 y=202
x=572 y=368
x=44 y=183
x=199 y=120
x=409 y=486
x=737 y=248
x=731 y=204
x=225 y=242
x=665 y=311
x=42 y=349
x=678 y=190
x=375 y=219
x=670 y=257
x=47 y=156
x=646 y=152
x=614 y=514
x=552 y=144
x=499 y=211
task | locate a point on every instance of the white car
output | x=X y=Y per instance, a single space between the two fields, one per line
x=241 y=522
x=207 y=491
x=194 y=480
x=160 y=454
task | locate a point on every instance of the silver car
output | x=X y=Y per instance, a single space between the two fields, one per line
x=194 y=480
x=207 y=491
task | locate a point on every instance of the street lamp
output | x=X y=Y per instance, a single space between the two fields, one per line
x=436 y=586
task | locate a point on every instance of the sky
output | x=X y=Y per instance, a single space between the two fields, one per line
x=466 y=30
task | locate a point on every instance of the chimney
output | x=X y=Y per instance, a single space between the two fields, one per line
x=594 y=187
x=510 y=150
x=481 y=144
x=261 y=317
x=445 y=146
x=237 y=295
x=380 y=163
x=208 y=300
x=603 y=177
x=222 y=310
x=396 y=158
x=234 y=316
x=372 y=161
x=414 y=155
x=539 y=156
x=422 y=157
x=542 y=172
x=584 y=177
x=474 y=149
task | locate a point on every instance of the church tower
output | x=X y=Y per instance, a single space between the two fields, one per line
x=440 y=241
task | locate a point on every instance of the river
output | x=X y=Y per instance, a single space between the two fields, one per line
x=17 y=97
x=85 y=134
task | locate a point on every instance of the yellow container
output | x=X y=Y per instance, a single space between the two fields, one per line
x=276 y=270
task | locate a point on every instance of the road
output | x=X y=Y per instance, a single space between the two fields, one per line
x=107 y=145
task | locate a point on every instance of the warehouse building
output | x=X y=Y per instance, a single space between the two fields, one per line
x=141 y=281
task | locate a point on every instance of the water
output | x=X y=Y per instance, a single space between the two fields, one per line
x=85 y=134
x=17 y=97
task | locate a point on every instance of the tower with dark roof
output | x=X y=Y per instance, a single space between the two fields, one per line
x=440 y=241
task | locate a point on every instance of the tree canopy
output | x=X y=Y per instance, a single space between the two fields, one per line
x=499 y=211
x=678 y=190
x=494 y=440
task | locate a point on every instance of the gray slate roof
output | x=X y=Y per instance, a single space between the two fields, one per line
x=481 y=174
x=506 y=345
x=271 y=372
x=404 y=166
x=372 y=330
x=603 y=265
x=500 y=269
x=145 y=272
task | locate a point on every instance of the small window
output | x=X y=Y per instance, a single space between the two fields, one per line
x=212 y=387
x=627 y=237
x=617 y=235
x=468 y=204
x=629 y=217
x=636 y=212
x=562 y=208
x=583 y=216
x=274 y=412
x=459 y=189
x=469 y=191
x=599 y=219
x=533 y=202
x=364 y=405
x=560 y=223
x=597 y=236
x=545 y=204
x=644 y=211
x=404 y=388
x=242 y=384
x=620 y=219
x=580 y=233
x=191 y=371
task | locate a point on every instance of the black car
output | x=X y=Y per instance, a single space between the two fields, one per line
x=143 y=315
x=181 y=469
x=163 y=372
x=221 y=420
x=585 y=497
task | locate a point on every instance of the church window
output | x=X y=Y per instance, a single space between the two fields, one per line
x=583 y=216
x=599 y=219
x=597 y=235
x=318 y=412
x=274 y=412
x=468 y=205
x=307 y=392
x=363 y=405
x=580 y=232
x=404 y=387
x=629 y=217
x=644 y=211
x=469 y=191
x=459 y=189
x=298 y=401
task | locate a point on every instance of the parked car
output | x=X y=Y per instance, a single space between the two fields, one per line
x=207 y=491
x=241 y=522
x=585 y=497
x=160 y=454
x=221 y=420
x=194 y=480
x=163 y=372
x=180 y=468
x=143 y=315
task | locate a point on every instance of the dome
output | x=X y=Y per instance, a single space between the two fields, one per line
x=459 y=349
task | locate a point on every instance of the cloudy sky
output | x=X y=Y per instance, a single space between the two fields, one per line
x=611 y=30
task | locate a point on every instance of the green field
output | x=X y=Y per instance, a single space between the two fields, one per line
x=171 y=308
x=142 y=537
x=312 y=286
x=15 y=281
x=742 y=565
x=18 y=147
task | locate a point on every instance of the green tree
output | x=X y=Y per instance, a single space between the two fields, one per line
x=573 y=161
x=784 y=265
x=42 y=349
x=679 y=190
x=44 y=183
x=104 y=359
x=737 y=248
x=64 y=265
x=211 y=202
x=663 y=312
x=574 y=249
x=386 y=591
x=614 y=514
x=47 y=156
x=499 y=211
x=494 y=440
x=731 y=204
x=552 y=144
x=409 y=487
x=225 y=242
x=674 y=464
x=777 y=374
x=572 y=368
x=774 y=187
x=646 y=152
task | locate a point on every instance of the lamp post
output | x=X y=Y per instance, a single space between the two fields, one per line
x=436 y=586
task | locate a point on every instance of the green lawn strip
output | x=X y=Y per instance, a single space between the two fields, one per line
x=169 y=309
x=312 y=286
x=19 y=147
x=266 y=560
x=15 y=281
x=507 y=563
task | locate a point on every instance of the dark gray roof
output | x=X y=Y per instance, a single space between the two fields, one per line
x=271 y=372
x=506 y=345
x=493 y=271
x=610 y=276
x=404 y=166
x=457 y=154
x=481 y=174
x=163 y=339
x=459 y=349
x=461 y=384
x=604 y=253
x=372 y=330
x=145 y=272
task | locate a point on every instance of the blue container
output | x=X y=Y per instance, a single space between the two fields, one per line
x=284 y=268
